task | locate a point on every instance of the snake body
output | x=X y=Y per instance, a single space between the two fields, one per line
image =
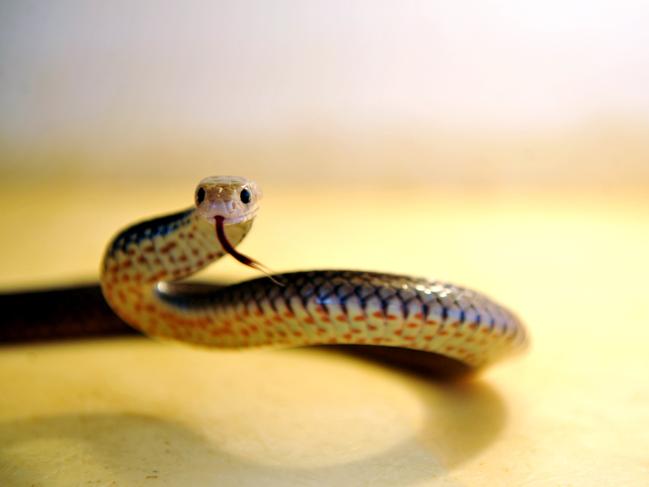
x=143 y=262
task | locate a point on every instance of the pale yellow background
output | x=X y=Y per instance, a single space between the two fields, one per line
x=481 y=92
x=502 y=145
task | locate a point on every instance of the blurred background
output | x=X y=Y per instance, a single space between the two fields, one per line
x=494 y=94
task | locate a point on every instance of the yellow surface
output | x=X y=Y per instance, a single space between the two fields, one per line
x=573 y=411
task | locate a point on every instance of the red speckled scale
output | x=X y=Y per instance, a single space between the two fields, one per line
x=315 y=307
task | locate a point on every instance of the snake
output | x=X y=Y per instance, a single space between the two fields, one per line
x=144 y=266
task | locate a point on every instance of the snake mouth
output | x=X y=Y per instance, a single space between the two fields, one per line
x=240 y=218
x=229 y=218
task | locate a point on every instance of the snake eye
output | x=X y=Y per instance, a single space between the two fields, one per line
x=200 y=196
x=245 y=196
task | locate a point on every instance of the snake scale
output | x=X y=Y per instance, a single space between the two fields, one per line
x=143 y=263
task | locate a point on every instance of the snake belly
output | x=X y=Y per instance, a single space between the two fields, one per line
x=315 y=307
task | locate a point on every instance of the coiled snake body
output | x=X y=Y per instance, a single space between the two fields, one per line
x=302 y=308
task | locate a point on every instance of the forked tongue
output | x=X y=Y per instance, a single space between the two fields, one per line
x=244 y=259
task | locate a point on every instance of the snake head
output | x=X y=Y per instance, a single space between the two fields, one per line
x=234 y=198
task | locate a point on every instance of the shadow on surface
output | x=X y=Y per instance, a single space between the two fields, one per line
x=464 y=416
x=427 y=365
x=130 y=449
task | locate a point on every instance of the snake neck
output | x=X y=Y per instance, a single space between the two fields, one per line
x=167 y=248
